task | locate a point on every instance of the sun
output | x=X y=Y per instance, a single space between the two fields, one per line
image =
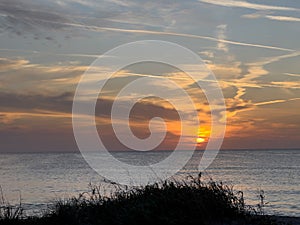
x=200 y=140
x=202 y=135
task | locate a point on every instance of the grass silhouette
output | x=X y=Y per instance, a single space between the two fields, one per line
x=170 y=202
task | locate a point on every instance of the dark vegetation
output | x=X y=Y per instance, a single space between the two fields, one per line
x=187 y=202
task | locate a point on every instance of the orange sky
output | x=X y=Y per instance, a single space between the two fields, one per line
x=253 y=50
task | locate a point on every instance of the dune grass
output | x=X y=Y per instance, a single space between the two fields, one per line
x=171 y=202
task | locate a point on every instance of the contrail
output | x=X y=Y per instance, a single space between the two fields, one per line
x=276 y=101
x=96 y=28
x=135 y=31
x=247 y=5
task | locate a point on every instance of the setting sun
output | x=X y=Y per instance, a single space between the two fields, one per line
x=200 y=140
x=202 y=134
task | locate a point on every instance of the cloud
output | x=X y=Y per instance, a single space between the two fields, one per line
x=25 y=17
x=248 y=5
x=48 y=53
x=10 y=64
x=286 y=84
x=256 y=69
x=276 y=101
x=20 y=75
x=20 y=17
x=233 y=75
x=8 y=118
x=271 y=17
x=253 y=15
x=38 y=18
x=237 y=108
x=61 y=104
x=151 y=32
x=50 y=116
x=226 y=71
x=264 y=121
x=11 y=102
x=237 y=104
x=221 y=35
x=292 y=74
x=283 y=18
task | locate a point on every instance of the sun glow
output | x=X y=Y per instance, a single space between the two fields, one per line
x=202 y=135
x=200 y=140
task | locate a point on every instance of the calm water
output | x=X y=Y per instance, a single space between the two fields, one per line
x=41 y=178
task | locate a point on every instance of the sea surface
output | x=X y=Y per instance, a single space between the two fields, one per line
x=38 y=179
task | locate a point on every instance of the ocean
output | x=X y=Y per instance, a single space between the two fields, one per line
x=38 y=179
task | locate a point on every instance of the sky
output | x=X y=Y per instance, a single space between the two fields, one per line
x=252 y=47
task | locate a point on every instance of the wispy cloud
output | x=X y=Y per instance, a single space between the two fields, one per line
x=79 y=55
x=271 y=17
x=255 y=15
x=37 y=18
x=292 y=74
x=248 y=5
x=9 y=64
x=283 y=18
x=221 y=34
x=152 y=32
x=286 y=84
x=256 y=69
x=25 y=17
x=20 y=75
x=21 y=17
x=276 y=101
